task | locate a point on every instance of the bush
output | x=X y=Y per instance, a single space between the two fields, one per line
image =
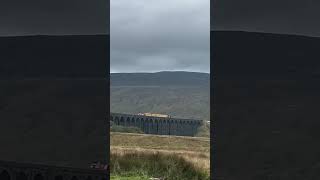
x=203 y=130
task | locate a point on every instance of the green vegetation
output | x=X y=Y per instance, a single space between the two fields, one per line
x=157 y=142
x=178 y=101
x=204 y=130
x=180 y=94
x=129 y=177
x=145 y=156
x=158 y=165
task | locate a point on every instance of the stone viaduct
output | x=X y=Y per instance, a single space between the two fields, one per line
x=158 y=125
x=21 y=171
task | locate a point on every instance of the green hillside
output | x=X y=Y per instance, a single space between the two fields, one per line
x=180 y=94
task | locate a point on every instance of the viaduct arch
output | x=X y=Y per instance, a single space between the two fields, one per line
x=158 y=125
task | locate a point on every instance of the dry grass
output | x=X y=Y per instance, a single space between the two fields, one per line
x=172 y=143
x=200 y=160
x=194 y=150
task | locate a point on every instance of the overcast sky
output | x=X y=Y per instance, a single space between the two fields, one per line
x=156 y=35
x=299 y=17
x=160 y=35
x=53 y=17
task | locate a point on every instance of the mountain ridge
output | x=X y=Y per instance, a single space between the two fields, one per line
x=176 y=78
x=180 y=94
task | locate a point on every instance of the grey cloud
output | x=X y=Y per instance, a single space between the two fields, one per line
x=272 y=16
x=153 y=35
x=29 y=17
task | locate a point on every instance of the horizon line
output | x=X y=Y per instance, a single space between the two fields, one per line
x=158 y=72
x=34 y=35
x=264 y=32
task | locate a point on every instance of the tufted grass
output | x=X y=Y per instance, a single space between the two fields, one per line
x=166 y=157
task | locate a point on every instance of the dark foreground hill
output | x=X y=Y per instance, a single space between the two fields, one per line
x=180 y=94
x=267 y=94
x=53 y=99
x=54 y=56
x=55 y=122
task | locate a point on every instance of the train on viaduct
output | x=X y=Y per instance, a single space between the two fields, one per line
x=24 y=171
x=158 y=125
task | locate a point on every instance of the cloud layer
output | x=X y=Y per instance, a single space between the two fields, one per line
x=53 y=17
x=272 y=16
x=153 y=35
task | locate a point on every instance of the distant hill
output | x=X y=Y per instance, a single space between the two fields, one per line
x=180 y=94
x=164 y=78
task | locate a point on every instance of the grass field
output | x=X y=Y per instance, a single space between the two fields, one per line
x=141 y=156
